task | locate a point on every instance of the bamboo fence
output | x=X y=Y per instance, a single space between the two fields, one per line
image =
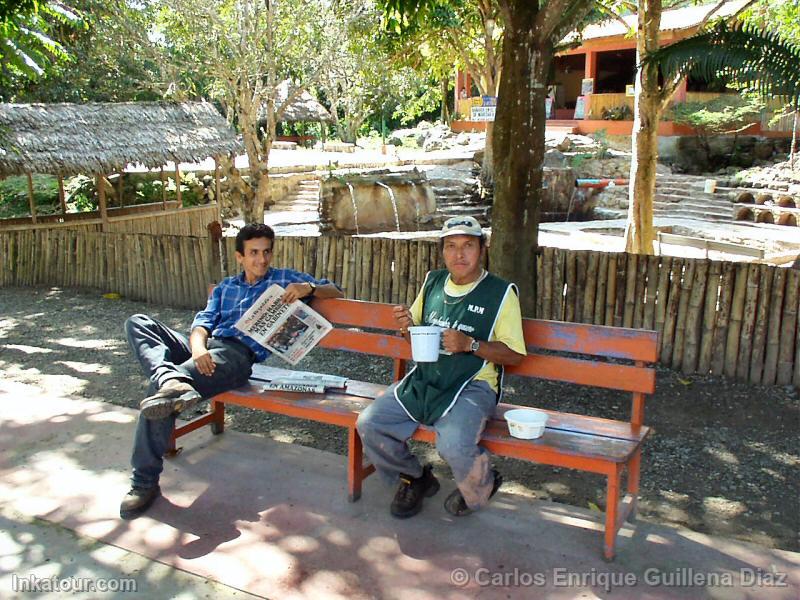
x=736 y=319
x=153 y=219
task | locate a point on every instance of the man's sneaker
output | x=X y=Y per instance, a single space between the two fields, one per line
x=457 y=506
x=410 y=492
x=137 y=501
x=173 y=397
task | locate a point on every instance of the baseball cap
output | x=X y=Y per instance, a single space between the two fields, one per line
x=461 y=226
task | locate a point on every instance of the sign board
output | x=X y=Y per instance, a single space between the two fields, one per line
x=580 y=108
x=482 y=113
x=488 y=100
x=630 y=89
x=587 y=86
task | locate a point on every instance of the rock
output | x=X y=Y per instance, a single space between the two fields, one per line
x=433 y=143
x=554 y=159
x=478 y=157
x=565 y=145
x=424 y=125
x=421 y=137
x=743 y=159
x=763 y=149
x=462 y=139
x=394 y=141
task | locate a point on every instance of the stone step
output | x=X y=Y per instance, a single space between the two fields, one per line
x=691 y=200
x=699 y=202
x=691 y=214
x=459 y=211
x=693 y=208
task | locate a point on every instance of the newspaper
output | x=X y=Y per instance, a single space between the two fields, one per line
x=288 y=330
x=296 y=381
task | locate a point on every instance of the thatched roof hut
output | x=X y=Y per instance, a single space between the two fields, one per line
x=104 y=137
x=303 y=108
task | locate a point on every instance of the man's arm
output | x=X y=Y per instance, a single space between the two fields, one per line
x=198 y=343
x=495 y=352
x=328 y=290
x=297 y=291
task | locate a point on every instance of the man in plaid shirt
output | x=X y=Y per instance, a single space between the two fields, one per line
x=216 y=356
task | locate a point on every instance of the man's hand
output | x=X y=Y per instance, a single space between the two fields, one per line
x=204 y=362
x=198 y=342
x=454 y=341
x=296 y=291
x=402 y=316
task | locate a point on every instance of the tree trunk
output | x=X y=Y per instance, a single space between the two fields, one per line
x=487 y=167
x=445 y=116
x=519 y=140
x=640 y=232
x=793 y=148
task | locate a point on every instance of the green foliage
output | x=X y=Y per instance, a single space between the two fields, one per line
x=14 y=196
x=115 y=57
x=80 y=194
x=761 y=60
x=601 y=137
x=622 y=112
x=28 y=48
x=725 y=114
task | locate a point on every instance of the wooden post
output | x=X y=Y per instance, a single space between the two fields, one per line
x=101 y=193
x=163 y=190
x=119 y=190
x=178 y=196
x=62 y=199
x=217 y=188
x=31 y=201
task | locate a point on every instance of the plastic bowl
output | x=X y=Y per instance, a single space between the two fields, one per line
x=526 y=423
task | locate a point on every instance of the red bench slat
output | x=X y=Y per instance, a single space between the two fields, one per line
x=597 y=340
x=587 y=372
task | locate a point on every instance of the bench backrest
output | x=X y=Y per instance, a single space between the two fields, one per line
x=557 y=351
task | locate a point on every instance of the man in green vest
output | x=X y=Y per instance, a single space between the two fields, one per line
x=481 y=323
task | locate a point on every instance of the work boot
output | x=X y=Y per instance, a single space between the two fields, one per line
x=174 y=396
x=457 y=506
x=410 y=492
x=137 y=501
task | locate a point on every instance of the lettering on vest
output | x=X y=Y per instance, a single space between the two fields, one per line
x=478 y=310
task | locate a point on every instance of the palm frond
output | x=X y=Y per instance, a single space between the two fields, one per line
x=746 y=55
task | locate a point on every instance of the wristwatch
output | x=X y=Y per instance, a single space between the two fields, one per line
x=474 y=345
x=313 y=287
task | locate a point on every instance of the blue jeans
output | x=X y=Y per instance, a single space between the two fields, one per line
x=164 y=354
x=385 y=427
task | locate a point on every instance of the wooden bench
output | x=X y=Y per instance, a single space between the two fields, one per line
x=608 y=357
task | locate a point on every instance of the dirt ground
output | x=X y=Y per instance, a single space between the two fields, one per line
x=723 y=459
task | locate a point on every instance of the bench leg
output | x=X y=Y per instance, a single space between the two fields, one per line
x=172 y=450
x=218 y=412
x=355 y=458
x=633 y=482
x=612 y=510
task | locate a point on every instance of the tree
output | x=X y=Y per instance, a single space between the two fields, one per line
x=757 y=59
x=360 y=78
x=467 y=33
x=718 y=116
x=246 y=48
x=531 y=31
x=651 y=99
x=27 y=48
x=115 y=57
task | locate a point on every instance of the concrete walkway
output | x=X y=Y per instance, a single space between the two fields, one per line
x=244 y=516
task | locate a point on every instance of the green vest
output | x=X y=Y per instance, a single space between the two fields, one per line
x=431 y=389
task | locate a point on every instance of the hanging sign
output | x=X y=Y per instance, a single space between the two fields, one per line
x=580 y=108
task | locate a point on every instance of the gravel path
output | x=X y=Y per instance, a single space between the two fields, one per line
x=723 y=460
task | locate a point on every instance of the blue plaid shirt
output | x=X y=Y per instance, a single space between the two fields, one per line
x=233 y=296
